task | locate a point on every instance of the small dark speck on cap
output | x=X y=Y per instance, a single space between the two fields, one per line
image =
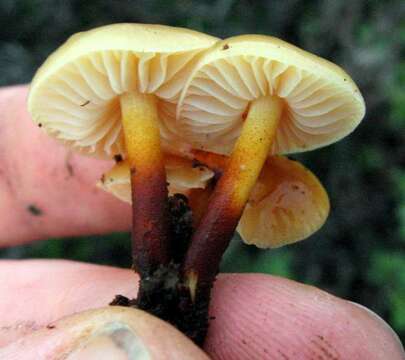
x=85 y=103
x=34 y=210
x=195 y=163
x=40 y=125
x=225 y=47
x=118 y=158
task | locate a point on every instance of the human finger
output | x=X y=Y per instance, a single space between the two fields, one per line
x=107 y=333
x=45 y=189
x=256 y=316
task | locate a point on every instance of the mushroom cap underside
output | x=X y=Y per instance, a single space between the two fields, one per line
x=287 y=204
x=181 y=175
x=322 y=104
x=74 y=94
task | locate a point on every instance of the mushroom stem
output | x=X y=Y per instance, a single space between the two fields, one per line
x=229 y=198
x=199 y=200
x=150 y=229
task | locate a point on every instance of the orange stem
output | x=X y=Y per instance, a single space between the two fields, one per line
x=231 y=193
x=150 y=232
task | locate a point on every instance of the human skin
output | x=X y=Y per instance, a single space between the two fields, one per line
x=254 y=316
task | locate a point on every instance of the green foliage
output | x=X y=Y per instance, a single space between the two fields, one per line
x=399 y=180
x=114 y=249
x=397 y=97
x=386 y=272
x=359 y=254
x=241 y=258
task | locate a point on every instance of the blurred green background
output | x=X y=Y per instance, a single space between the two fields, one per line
x=359 y=254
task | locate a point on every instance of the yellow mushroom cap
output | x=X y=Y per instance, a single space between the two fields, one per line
x=181 y=175
x=74 y=95
x=322 y=103
x=287 y=204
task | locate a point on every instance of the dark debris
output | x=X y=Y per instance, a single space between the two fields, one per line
x=34 y=210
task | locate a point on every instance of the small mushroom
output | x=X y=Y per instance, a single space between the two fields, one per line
x=253 y=97
x=138 y=91
x=287 y=204
x=181 y=175
x=113 y=91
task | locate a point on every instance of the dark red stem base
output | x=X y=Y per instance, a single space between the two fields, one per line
x=162 y=292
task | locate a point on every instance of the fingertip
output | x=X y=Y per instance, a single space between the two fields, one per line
x=383 y=332
x=266 y=317
x=256 y=316
x=112 y=332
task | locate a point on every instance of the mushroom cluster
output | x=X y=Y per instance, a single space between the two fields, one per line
x=198 y=125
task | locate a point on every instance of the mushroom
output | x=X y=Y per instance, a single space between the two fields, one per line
x=181 y=173
x=113 y=91
x=321 y=103
x=287 y=203
x=136 y=91
x=251 y=96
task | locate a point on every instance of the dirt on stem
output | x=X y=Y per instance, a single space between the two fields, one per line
x=162 y=291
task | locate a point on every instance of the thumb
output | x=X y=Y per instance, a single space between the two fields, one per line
x=107 y=333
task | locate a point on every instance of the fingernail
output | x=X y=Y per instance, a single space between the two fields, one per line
x=113 y=341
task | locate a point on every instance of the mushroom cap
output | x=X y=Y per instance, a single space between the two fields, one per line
x=74 y=95
x=287 y=204
x=322 y=103
x=181 y=175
